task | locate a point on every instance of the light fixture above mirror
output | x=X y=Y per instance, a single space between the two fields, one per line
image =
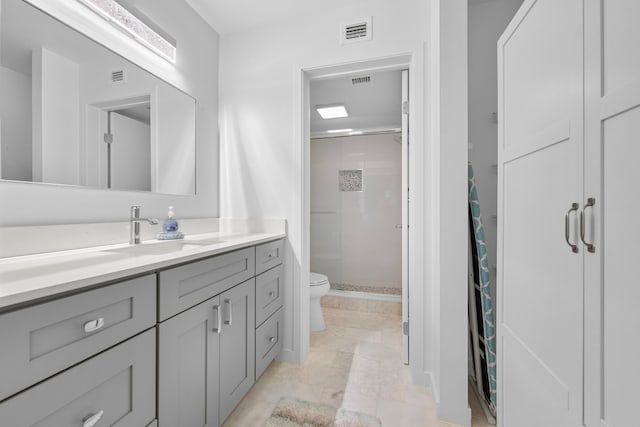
x=130 y=24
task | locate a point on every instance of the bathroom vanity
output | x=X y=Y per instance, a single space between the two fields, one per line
x=162 y=334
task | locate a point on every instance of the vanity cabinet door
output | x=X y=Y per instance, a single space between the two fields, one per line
x=188 y=367
x=237 y=345
x=183 y=287
x=268 y=255
x=115 y=388
x=269 y=293
x=46 y=338
x=269 y=341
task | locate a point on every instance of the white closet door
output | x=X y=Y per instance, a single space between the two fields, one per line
x=613 y=146
x=540 y=283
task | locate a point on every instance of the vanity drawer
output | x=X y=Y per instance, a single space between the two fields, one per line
x=44 y=339
x=269 y=341
x=184 y=287
x=268 y=255
x=117 y=386
x=269 y=293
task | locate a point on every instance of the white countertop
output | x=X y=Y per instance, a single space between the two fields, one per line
x=29 y=278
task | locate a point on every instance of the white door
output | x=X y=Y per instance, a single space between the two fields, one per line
x=405 y=216
x=613 y=147
x=540 y=280
x=130 y=153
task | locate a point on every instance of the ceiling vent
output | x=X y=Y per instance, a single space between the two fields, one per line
x=357 y=30
x=118 y=76
x=358 y=80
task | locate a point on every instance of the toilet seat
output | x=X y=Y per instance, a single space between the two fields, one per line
x=317 y=279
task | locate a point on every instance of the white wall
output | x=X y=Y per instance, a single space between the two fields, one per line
x=195 y=72
x=446 y=300
x=263 y=155
x=487 y=21
x=16 y=125
x=354 y=239
x=55 y=95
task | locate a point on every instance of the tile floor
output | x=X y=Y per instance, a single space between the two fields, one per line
x=355 y=363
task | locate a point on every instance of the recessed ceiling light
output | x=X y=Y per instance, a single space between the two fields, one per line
x=332 y=111
x=339 y=130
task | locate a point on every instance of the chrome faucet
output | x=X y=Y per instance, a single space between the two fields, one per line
x=135 y=221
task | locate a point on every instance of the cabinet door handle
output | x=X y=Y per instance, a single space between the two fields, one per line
x=271 y=294
x=591 y=202
x=92 y=420
x=567 y=223
x=272 y=339
x=227 y=302
x=217 y=329
x=93 y=325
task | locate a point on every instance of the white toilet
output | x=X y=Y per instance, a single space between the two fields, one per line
x=318 y=287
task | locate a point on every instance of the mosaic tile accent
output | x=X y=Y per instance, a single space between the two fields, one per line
x=114 y=12
x=387 y=290
x=350 y=180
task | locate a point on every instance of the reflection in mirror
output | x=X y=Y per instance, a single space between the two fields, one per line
x=73 y=112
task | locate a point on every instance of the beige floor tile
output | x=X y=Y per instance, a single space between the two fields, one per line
x=354 y=364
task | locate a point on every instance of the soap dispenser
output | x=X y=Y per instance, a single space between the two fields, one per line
x=170 y=228
x=171 y=225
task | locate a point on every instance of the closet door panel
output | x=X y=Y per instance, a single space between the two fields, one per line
x=539 y=66
x=540 y=277
x=621 y=293
x=621 y=38
x=612 y=132
x=542 y=288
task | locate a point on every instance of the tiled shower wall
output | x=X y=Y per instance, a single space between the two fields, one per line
x=356 y=212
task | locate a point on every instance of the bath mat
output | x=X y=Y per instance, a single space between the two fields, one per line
x=291 y=412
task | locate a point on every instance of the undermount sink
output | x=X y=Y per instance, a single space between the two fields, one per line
x=163 y=247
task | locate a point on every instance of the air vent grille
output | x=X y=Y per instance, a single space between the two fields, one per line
x=118 y=76
x=360 y=80
x=356 y=30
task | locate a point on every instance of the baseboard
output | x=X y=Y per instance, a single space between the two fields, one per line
x=430 y=381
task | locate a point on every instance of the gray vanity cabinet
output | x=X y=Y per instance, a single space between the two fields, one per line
x=237 y=345
x=269 y=313
x=43 y=339
x=115 y=388
x=188 y=367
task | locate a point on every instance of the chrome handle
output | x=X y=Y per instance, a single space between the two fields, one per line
x=93 y=325
x=217 y=329
x=567 y=221
x=272 y=339
x=227 y=302
x=591 y=202
x=92 y=419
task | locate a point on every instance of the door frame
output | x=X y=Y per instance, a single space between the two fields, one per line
x=415 y=235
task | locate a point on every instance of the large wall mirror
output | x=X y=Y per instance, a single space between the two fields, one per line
x=73 y=112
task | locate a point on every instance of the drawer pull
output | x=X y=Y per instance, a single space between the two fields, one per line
x=227 y=302
x=92 y=420
x=93 y=325
x=272 y=339
x=217 y=329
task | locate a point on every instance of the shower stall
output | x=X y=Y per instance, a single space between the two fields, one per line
x=356 y=212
